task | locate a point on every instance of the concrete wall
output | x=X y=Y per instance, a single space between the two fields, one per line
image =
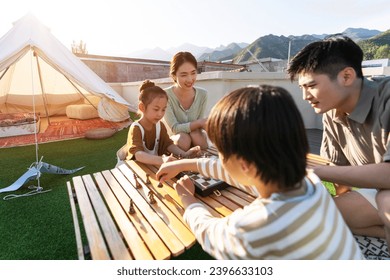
x=376 y=71
x=123 y=69
x=126 y=70
x=220 y=83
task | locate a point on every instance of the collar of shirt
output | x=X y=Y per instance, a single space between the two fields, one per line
x=363 y=107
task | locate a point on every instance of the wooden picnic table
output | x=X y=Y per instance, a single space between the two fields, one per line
x=126 y=215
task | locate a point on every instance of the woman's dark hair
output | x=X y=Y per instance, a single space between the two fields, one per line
x=149 y=91
x=263 y=126
x=178 y=60
x=328 y=56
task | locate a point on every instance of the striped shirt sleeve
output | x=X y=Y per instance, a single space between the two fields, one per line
x=212 y=168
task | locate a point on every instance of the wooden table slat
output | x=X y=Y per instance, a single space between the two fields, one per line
x=220 y=208
x=114 y=240
x=136 y=244
x=176 y=225
x=169 y=238
x=236 y=199
x=313 y=160
x=156 y=246
x=137 y=169
x=225 y=201
x=79 y=243
x=241 y=194
x=171 y=191
x=95 y=238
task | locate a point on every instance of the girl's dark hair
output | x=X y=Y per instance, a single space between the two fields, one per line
x=328 y=56
x=263 y=126
x=149 y=91
x=178 y=60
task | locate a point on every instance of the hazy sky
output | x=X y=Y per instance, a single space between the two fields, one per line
x=119 y=27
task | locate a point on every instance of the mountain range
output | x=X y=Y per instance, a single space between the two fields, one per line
x=201 y=53
x=266 y=46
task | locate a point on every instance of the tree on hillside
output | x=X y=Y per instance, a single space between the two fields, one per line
x=369 y=50
x=377 y=47
x=80 y=47
x=382 y=52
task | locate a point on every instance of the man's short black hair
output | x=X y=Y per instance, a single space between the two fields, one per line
x=328 y=56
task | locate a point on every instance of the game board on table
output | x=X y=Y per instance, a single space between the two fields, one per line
x=204 y=186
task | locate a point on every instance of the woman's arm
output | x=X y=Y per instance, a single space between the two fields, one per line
x=198 y=124
x=200 y=121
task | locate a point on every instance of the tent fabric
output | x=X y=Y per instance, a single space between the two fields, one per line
x=109 y=109
x=37 y=72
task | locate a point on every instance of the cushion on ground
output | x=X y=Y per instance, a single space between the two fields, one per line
x=99 y=133
x=81 y=111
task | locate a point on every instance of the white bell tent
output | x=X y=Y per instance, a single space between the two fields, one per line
x=39 y=74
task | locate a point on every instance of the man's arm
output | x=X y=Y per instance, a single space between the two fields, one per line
x=373 y=176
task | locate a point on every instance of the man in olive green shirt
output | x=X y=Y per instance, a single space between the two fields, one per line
x=356 y=123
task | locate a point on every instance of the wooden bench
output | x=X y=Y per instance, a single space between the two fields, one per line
x=125 y=215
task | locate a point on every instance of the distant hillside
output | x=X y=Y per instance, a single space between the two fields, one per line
x=221 y=53
x=380 y=39
x=160 y=54
x=277 y=46
x=273 y=46
x=376 y=47
x=358 y=34
x=195 y=50
x=374 y=43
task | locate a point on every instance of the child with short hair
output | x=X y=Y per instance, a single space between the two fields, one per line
x=148 y=140
x=262 y=146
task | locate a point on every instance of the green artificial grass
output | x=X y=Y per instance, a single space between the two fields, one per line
x=40 y=227
x=330 y=187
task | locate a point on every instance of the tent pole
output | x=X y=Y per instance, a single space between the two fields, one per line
x=5 y=72
x=43 y=90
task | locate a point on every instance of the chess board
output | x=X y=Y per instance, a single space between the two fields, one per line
x=204 y=186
